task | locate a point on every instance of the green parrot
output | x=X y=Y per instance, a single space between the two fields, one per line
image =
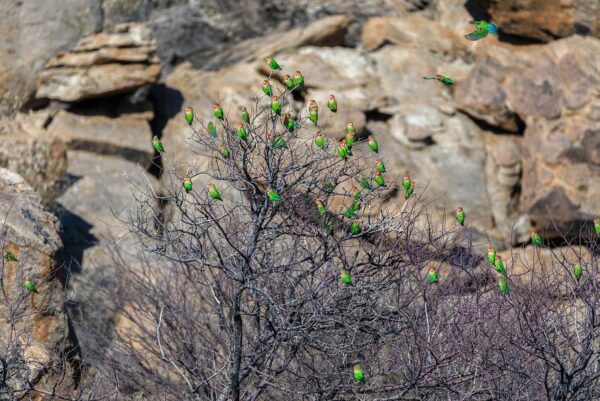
x=350 y=127
x=313 y=104
x=30 y=286
x=314 y=115
x=245 y=116
x=213 y=192
x=373 y=144
x=272 y=63
x=224 y=151
x=273 y=196
x=491 y=255
x=482 y=29
x=158 y=145
x=290 y=123
x=349 y=142
x=289 y=82
x=364 y=182
x=321 y=207
x=330 y=227
x=189 y=115
x=499 y=265
x=503 y=286
x=187 y=184
x=212 y=129
x=536 y=239
x=411 y=190
x=356 y=194
x=218 y=111
x=577 y=271
x=443 y=79
x=597 y=226
x=351 y=211
x=406 y=182
x=332 y=103
x=343 y=149
x=10 y=257
x=359 y=375
x=267 y=88
x=298 y=79
x=379 y=179
x=355 y=228
x=379 y=166
x=279 y=143
x=241 y=132
x=346 y=278
x=276 y=105
x=320 y=140
x=432 y=275
x=460 y=216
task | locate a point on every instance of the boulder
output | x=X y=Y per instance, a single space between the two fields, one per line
x=42 y=350
x=29 y=150
x=102 y=65
x=128 y=136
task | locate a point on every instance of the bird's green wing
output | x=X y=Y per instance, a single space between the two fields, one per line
x=475 y=22
x=476 y=35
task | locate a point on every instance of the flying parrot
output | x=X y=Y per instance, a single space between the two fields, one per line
x=321 y=207
x=355 y=228
x=460 y=216
x=332 y=103
x=212 y=129
x=189 y=115
x=343 y=149
x=298 y=79
x=408 y=193
x=491 y=255
x=346 y=278
x=213 y=192
x=224 y=151
x=432 y=275
x=314 y=115
x=289 y=82
x=218 y=111
x=245 y=116
x=276 y=105
x=30 y=286
x=158 y=145
x=273 y=196
x=406 y=182
x=290 y=123
x=279 y=143
x=241 y=132
x=364 y=182
x=379 y=179
x=503 y=285
x=443 y=79
x=482 y=29
x=379 y=166
x=267 y=88
x=359 y=375
x=10 y=257
x=577 y=271
x=320 y=140
x=187 y=184
x=373 y=144
x=536 y=239
x=272 y=63
x=499 y=265
x=597 y=226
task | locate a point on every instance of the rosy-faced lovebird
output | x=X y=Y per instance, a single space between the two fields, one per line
x=408 y=193
x=289 y=82
x=379 y=166
x=321 y=207
x=298 y=79
x=314 y=115
x=158 y=146
x=577 y=271
x=406 y=182
x=379 y=179
x=432 y=275
x=30 y=287
x=218 y=111
x=491 y=255
x=536 y=239
x=332 y=103
x=273 y=196
x=373 y=144
x=346 y=278
x=212 y=129
x=359 y=374
x=343 y=149
x=460 y=216
x=499 y=265
x=245 y=116
x=482 y=29
x=189 y=115
x=267 y=88
x=320 y=140
x=272 y=63
x=213 y=192
x=224 y=151
x=503 y=286
x=443 y=79
x=355 y=228
x=241 y=132
x=10 y=257
x=187 y=184
x=276 y=104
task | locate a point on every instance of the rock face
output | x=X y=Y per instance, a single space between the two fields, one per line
x=102 y=65
x=545 y=20
x=28 y=150
x=42 y=348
